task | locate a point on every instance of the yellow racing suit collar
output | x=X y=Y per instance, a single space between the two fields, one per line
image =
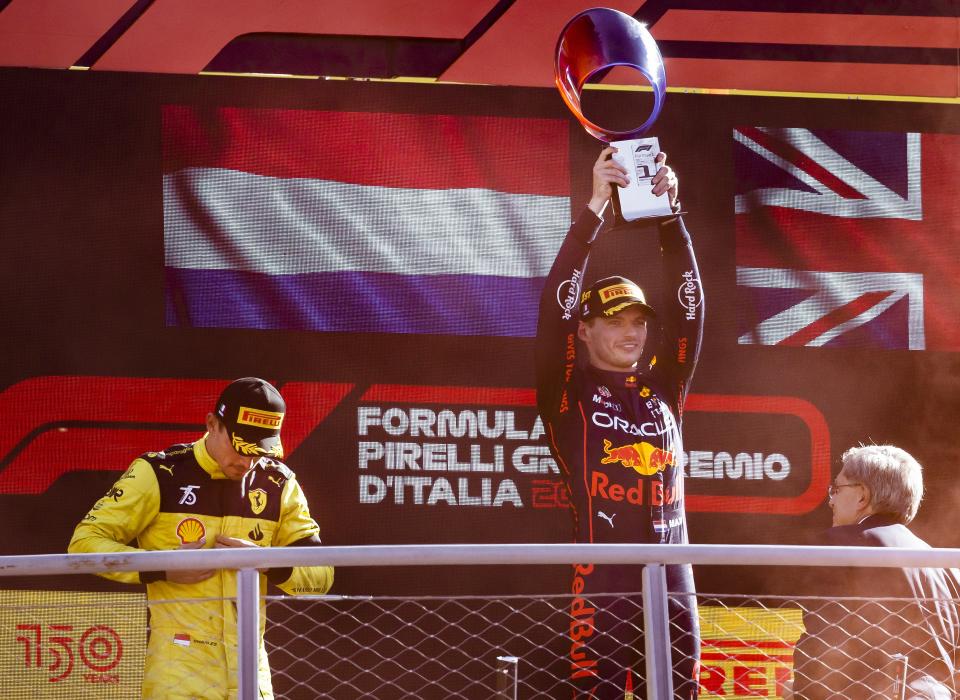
x=204 y=459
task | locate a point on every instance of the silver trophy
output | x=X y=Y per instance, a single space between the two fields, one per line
x=597 y=40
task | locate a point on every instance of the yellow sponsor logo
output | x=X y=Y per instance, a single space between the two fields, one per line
x=72 y=644
x=747 y=652
x=615 y=291
x=258 y=500
x=190 y=530
x=261 y=419
x=242 y=446
x=251 y=448
x=618 y=308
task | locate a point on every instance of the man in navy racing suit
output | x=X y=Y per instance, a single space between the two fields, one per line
x=613 y=422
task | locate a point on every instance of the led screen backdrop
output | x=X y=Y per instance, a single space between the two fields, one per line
x=377 y=249
x=847 y=238
x=360 y=221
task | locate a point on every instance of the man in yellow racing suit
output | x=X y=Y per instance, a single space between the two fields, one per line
x=227 y=489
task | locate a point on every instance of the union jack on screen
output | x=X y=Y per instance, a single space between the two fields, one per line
x=847 y=238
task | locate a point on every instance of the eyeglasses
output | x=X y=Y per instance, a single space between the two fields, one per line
x=833 y=488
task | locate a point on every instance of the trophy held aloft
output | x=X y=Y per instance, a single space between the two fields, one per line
x=593 y=42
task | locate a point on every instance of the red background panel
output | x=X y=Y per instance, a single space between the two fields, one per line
x=813 y=76
x=808 y=28
x=530 y=29
x=54 y=33
x=182 y=36
x=56 y=425
x=778 y=405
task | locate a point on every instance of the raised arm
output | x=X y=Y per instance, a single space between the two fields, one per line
x=682 y=317
x=556 y=345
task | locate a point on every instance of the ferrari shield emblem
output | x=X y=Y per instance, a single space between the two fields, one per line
x=258 y=500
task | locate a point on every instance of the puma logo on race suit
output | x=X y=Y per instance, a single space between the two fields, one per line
x=608 y=518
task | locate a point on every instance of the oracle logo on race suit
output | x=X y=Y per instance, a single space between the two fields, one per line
x=440 y=444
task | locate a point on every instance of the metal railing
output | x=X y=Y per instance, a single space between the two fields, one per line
x=657 y=657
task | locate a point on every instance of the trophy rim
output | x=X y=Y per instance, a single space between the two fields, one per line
x=571 y=92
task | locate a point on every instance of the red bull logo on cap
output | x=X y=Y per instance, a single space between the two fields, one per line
x=642 y=457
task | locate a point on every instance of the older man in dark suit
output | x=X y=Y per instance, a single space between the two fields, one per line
x=878 y=648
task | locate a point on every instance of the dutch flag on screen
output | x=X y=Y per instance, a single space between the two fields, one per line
x=360 y=221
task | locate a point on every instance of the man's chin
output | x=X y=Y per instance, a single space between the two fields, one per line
x=628 y=363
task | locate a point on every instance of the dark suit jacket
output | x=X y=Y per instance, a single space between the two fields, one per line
x=846 y=650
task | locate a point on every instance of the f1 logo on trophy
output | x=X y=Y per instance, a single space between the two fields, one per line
x=592 y=43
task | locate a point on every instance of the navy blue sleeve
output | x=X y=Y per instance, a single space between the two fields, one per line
x=556 y=344
x=683 y=312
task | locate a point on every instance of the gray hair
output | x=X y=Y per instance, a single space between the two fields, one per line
x=894 y=477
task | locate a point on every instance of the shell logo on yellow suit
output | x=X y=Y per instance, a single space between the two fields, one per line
x=190 y=530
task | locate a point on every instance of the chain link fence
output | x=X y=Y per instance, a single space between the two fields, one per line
x=81 y=645
x=84 y=645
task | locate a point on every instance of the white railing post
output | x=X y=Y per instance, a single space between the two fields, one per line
x=507 y=677
x=656 y=633
x=248 y=633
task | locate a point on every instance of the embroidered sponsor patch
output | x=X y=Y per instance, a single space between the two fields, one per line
x=190 y=530
x=259 y=418
x=258 y=500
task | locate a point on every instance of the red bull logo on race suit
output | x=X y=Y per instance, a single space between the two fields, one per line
x=642 y=457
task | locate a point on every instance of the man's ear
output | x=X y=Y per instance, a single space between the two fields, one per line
x=212 y=423
x=582 y=331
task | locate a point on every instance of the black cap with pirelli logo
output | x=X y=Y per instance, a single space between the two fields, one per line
x=252 y=410
x=610 y=296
